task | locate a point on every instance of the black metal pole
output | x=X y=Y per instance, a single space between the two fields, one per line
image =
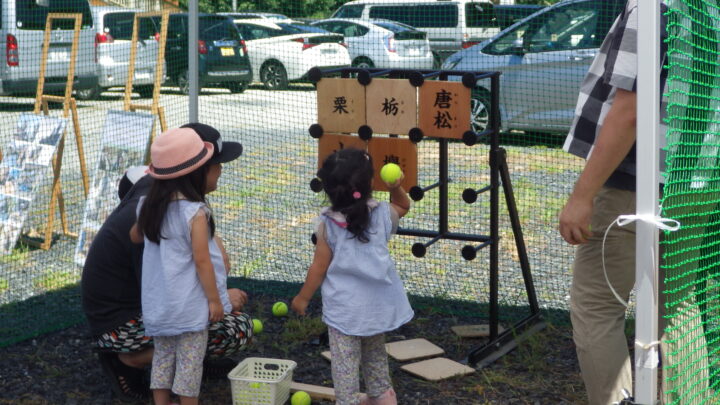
x=494 y=208
x=518 y=233
x=443 y=185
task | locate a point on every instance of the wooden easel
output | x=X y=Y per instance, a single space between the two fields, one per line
x=69 y=105
x=154 y=107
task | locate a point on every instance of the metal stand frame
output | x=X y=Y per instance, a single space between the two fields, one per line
x=499 y=343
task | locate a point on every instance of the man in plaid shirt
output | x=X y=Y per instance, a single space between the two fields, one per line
x=603 y=132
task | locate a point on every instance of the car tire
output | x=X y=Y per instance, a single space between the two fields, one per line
x=145 y=91
x=480 y=109
x=274 y=76
x=237 y=88
x=363 y=63
x=88 y=94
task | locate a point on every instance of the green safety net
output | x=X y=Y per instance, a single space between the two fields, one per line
x=264 y=207
x=691 y=196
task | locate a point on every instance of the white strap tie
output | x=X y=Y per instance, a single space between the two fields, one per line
x=649 y=358
x=664 y=224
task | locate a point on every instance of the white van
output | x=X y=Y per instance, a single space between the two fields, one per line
x=22 y=27
x=451 y=25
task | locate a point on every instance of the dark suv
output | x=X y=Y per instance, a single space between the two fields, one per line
x=223 y=59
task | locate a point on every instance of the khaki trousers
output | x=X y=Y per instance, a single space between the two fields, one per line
x=598 y=319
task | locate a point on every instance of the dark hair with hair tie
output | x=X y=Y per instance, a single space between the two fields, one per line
x=344 y=174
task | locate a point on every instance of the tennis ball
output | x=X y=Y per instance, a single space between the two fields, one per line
x=300 y=398
x=256 y=385
x=390 y=173
x=257 y=326
x=279 y=309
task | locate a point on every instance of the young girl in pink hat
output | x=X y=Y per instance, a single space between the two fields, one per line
x=184 y=277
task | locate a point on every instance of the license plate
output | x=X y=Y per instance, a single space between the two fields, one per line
x=225 y=51
x=58 y=56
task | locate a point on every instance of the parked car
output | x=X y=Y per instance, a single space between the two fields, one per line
x=382 y=43
x=451 y=24
x=113 y=36
x=253 y=15
x=23 y=25
x=279 y=55
x=543 y=60
x=223 y=57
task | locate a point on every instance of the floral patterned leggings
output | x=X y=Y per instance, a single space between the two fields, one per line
x=178 y=363
x=352 y=355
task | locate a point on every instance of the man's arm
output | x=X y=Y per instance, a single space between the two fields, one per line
x=615 y=140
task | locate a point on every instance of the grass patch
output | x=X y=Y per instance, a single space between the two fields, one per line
x=54 y=280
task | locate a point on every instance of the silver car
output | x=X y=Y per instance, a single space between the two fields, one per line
x=113 y=36
x=543 y=59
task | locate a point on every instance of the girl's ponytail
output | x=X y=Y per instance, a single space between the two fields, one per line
x=347 y=176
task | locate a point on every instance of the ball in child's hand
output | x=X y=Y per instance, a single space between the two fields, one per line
x=279 y=309
x=390 y=173
x=257 y=326
x=300 y=398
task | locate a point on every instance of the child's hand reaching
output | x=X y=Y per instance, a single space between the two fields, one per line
x=216 y=310
x=396 y=184
x=299 y=305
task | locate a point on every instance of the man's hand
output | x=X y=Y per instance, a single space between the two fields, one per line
x=575 y=220
x=238 y=298
x=216 y=310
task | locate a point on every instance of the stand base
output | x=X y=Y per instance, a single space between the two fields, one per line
x=485 y=355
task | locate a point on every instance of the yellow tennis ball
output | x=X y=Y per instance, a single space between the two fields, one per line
x=257 y=326
x=390 y=173
x=300 y=398
x=279 y=309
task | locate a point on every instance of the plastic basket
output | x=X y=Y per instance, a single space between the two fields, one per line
x=258 y=381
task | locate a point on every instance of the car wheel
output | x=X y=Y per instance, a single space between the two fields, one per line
x=88 y=94
x=480 y=110
x=274 y=76
x=363 y=63
x=237 y=88
x=145 y=91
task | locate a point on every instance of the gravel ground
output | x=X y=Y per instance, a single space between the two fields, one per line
x=60 y=368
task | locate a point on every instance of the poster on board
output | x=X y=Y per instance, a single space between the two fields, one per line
x=125 y=139
x=27 y=159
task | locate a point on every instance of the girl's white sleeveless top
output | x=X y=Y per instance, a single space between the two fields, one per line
x=362 y=293
x=173 y=300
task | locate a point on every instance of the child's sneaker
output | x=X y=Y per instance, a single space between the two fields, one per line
x=386 y=398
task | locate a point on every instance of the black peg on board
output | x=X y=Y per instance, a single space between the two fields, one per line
x=419 y=249
x=316 y=131
x=316 y=185
x=315 y=74
x=470 y=196
x=365 y=132
x=417 y=193
x=469 y=252
x=416 y=135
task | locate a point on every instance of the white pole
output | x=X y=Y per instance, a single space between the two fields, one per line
x=193 y=60
x=646 y=269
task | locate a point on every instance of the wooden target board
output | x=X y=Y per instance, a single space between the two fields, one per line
x=391 y=106
x=331 y=143
x=400 y=151
x=340 y=105
x=444 y=109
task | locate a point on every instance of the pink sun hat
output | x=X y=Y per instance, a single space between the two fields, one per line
x=177 y=152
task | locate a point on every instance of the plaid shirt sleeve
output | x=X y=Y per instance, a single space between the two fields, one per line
x=621 y=61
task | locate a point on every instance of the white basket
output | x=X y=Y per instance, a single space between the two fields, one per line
x=257 y=381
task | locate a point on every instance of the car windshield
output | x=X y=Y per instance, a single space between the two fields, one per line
x=32 y=16
x=258 y=31
x=301 y=29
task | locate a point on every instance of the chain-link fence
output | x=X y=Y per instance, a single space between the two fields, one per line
x=254 y=88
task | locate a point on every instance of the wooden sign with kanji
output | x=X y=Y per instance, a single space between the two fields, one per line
x=400 y=151
x=340 y=105
x=391 y=106
x=444 y=109
x=331 y=143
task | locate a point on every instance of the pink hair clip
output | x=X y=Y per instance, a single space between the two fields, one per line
x=357 y=195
